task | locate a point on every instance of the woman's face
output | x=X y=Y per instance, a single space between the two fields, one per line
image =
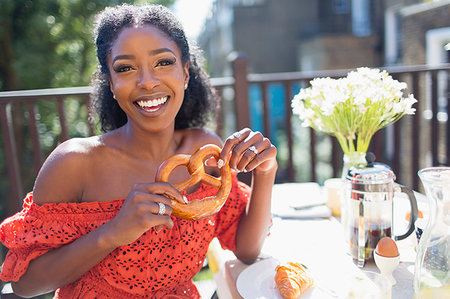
x=148 y=77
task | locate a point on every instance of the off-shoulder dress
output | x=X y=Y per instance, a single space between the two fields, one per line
x=157 y=265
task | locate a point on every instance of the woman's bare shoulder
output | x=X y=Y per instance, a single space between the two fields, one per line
x=63 y=174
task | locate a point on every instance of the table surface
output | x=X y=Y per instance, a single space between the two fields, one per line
x=317 y=242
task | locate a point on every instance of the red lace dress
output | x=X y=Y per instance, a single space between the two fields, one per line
x=157 y=265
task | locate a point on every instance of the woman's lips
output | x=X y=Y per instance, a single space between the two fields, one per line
x=152 y=105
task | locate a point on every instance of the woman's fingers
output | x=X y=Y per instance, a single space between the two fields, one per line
x=241 y=149
x=229 y=146
x=252 y=155
x=247 y=150
x=165 y=189
x=211 y=162
x=265 y=160
x=151 y=203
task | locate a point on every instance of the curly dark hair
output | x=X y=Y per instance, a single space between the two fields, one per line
x=199 y=97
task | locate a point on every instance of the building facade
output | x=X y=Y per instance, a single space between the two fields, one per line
x=302 y=35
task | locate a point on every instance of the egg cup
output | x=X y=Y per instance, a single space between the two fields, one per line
x=386 y=265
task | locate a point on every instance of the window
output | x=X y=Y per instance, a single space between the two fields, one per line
x=361 y=17
x=341 y=6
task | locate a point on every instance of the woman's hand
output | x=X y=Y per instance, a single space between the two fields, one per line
x=247 y=151
x=147 y=205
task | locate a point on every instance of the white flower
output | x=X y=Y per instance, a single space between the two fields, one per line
x=366 y=99
x=327 y=108
x=408 y=102
x=318 y=124
x=398 y=107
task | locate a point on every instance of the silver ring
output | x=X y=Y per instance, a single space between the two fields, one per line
x=162 y=208
x=237 y=135
x=253 y=149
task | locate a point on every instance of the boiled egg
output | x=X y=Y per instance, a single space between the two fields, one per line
x=387 y=247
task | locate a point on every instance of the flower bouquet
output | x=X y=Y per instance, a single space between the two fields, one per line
x=353 y=108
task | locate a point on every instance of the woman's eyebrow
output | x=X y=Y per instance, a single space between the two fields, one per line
x=153 y=52
x=161 y=50
x=122 y=57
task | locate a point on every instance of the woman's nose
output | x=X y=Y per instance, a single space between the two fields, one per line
x=147 y=80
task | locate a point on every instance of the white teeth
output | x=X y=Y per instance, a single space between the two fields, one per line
x=152 y=103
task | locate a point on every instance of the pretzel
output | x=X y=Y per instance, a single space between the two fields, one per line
x=197 y=208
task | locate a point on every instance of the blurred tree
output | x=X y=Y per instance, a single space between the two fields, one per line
x=47 y=44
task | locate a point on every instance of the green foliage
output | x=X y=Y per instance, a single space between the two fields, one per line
x=204 y=274
x=47 y=44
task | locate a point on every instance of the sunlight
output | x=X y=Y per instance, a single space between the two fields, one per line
x=192 y=15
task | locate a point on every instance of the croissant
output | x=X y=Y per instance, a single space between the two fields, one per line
x=292 y=280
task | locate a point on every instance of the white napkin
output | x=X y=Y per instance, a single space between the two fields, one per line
x=299 y=200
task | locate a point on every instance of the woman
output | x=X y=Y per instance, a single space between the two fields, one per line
x=92 y=227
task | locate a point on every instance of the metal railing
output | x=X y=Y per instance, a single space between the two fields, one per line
x=424 y=139
x=410 y=144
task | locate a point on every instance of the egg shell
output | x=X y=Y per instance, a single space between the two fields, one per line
x=387 y=247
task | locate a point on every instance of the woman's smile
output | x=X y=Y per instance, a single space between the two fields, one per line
x=147 y=76
x=151 y=104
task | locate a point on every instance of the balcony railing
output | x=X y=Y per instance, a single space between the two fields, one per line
x=412 y=143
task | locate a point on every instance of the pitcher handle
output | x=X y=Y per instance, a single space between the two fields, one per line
x=414 y=211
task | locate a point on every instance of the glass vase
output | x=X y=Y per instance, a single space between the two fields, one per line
x=351 y=160
x=348 y=161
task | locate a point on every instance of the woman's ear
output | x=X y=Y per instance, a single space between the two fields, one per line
x=186 y=74
x=111 y=87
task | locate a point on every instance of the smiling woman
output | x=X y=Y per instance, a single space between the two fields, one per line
x=97 y=223
x=146 y=71
x=198 y=100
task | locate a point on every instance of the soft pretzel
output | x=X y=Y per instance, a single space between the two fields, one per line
x=292 y=280
x=197 y=208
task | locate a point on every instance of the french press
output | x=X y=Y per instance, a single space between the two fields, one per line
x=369 y=193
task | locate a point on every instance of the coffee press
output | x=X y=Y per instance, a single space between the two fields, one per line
x=369 y=193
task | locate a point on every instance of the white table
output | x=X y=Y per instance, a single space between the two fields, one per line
x=316 y=242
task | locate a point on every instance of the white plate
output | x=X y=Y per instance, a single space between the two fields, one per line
x=258 y=282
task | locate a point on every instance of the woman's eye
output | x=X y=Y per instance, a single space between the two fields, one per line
x=122 y=68
x=165 y=62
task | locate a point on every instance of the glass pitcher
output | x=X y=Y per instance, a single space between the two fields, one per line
x=369 y=193
x=431 y=274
